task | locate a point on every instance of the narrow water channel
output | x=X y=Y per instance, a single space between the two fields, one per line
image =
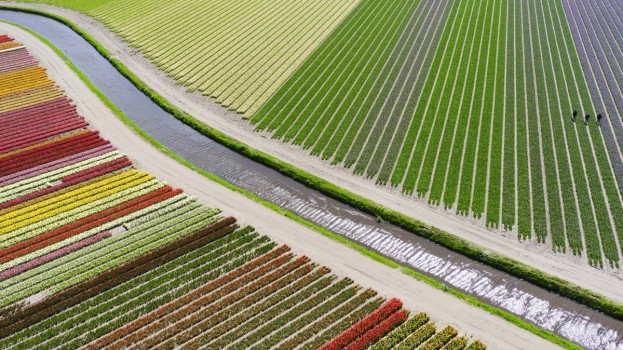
x=562 y=316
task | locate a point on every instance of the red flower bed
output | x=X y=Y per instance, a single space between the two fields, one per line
x=18 y=123
x=37 y=151
x=54 y=103
x=41 y=135
x=381 y=329
x=5 y=38
x=41 y=150
x=30 y=245
x=362 y=326
x=53 y=155
x=24 y=126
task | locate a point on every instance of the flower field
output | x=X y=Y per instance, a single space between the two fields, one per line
x=97 y=254
x=249 y=55
x=468 y=104
x=476 y=107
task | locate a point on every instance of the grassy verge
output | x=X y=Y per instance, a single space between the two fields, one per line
x=452 y=242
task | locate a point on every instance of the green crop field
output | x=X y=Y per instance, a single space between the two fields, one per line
x=463 y=104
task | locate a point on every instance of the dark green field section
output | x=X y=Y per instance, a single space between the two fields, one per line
x=467 y=104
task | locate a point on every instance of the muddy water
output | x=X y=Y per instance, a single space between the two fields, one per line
x=552 y=312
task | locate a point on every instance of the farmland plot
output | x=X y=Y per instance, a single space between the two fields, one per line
x=96 y=254
x=597 y=30
x=437 y=101
x=238 y=52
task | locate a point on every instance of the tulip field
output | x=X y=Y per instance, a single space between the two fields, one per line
x=487 y=109
x=96 y=254
x=279 y=34
x=469 y=105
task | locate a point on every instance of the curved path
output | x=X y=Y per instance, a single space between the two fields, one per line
x=568 y=267
x=443 y=307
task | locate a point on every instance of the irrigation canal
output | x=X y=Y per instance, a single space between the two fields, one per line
x=562 y=316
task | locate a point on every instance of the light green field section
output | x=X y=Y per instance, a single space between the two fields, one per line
x=236 y=51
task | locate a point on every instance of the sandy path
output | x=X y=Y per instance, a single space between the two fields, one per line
x=443 y=308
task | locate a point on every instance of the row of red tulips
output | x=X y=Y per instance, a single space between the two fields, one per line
x=82 y=157
x=359 y=328
x=34 y=313
x=18 y=123
x=36 y=136
x=378 y=331
x=52 y=155
x=46 y=149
